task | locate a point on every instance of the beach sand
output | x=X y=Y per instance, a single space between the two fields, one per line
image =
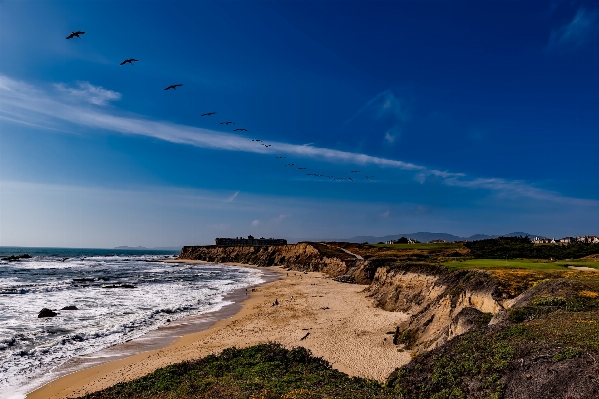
x=345 y=329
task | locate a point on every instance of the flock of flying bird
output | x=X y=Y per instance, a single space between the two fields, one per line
x=174 y=87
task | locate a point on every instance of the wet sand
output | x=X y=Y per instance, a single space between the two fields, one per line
x=345 y=329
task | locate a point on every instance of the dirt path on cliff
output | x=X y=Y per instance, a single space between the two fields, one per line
x=351 y=253
x=343 y=325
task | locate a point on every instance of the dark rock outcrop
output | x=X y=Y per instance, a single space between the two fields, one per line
x=118 y=286
x=70 y=307
x=45 y=312
x=17 y=257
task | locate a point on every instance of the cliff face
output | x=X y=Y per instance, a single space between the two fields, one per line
x=301 y=257
x=442 y=304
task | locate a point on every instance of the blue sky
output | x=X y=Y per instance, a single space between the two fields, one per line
x=471 y=117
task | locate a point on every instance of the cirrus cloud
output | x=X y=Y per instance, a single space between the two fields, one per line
x=26 y=103
x=576 y=33
x=87 y=92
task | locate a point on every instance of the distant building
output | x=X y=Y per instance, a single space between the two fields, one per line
x=437 y=241
x=542 y=240
x=589 y=239
x=567 y=240
x=250 y=241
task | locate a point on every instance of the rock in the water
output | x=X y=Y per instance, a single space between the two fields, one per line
x=118 y=286
x=70 y=307
x=17 y=257
x=45 y=312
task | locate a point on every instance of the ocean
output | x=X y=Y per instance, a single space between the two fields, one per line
x=120 y=295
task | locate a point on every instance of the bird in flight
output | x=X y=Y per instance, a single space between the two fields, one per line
x=280 y=157
x=369 y=177
x=290 y=164
x=174 y=87
x=208 y=114
x=356 y=171
x=73 y=34
x=241 y=130
x=302 y=168
x=227 y=123
x=129 y=61
x=256 y=140
x=349 y=178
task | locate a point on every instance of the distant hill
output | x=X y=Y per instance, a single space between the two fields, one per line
x=420 y=236
x=126 y=247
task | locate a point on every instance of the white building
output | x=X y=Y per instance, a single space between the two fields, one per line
x=542 y=240
x=589 y=239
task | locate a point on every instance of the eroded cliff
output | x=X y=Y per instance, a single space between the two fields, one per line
x=496 y=333
x=301 y=257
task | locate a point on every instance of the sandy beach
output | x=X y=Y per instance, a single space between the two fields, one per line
x=343 y=325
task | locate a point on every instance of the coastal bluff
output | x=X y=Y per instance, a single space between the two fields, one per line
x=484 y=332
x=309 y=257
x=442 y=304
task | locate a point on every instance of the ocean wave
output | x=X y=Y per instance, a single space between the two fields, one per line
x=30 y=346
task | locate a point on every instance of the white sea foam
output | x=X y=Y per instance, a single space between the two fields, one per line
x=31 y=346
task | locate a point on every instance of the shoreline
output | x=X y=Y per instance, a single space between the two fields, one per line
x=157 y=339
x=345 y=329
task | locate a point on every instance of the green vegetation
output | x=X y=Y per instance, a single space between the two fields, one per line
x=266 y=371
x=478 y=364
x=408 y=338
x=477 y=359
x=530 y=264
x=522 y=247
x=574 y=332
x=567 y=353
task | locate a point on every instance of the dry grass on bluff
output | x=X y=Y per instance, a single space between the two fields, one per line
x=412 y=252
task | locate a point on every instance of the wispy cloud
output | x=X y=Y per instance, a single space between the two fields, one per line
x=385 y=214
x=384 y=104
x=583 y=27
x=511 y=188
x=391 y=105
x=255 y=223
x=232 y=197
x=390 y=112
x=29 y=104
x=391 y=135
x=87 y=92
